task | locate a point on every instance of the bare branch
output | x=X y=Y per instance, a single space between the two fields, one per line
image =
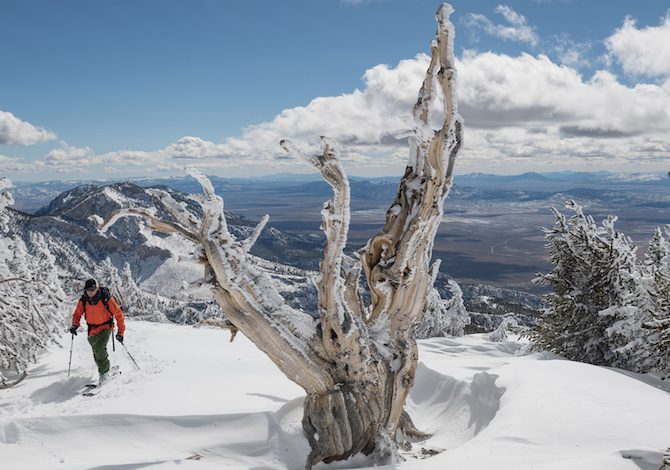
x=155 y=223
x=176 y=209
x=28 y=281
x=393 y=259
x=272 y=333
x=212 y=205
x=247 y=295
x=249 y=242
x=222 y=323
x=351 y=273
x=337 y=325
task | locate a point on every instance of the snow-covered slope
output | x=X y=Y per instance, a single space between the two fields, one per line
x=201 y=402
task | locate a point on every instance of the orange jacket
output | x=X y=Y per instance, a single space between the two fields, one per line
x=97 y=315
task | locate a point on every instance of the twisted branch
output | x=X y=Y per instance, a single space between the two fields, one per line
x=338 y=326
x=246 y=294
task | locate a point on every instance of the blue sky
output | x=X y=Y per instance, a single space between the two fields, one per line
x=132 y=88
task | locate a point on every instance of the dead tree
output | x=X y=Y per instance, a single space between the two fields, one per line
x=355 y=362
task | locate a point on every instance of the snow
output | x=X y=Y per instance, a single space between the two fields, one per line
x=115 y=196
x=628 y=177
x=202 y=402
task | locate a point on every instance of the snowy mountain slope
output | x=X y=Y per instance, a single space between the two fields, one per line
x=160 y=263
x=201 y=402
x=153 y=258
x=77 y=205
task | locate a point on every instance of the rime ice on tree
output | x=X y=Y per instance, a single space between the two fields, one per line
x=356 y=362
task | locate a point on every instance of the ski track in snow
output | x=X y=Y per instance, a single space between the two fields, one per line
x=201 y=402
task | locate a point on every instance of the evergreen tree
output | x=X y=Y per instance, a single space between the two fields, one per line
x=597 y=307
x=31 y=304
x=657 y=328
x=444 y=317
x=31 y=298
x=6 y=199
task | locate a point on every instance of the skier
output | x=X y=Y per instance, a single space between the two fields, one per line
x=98 y=306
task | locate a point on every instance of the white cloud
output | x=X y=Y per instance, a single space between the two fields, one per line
x=497 y=90
x=571 y=53
x=67 y=155
x=517 y=110
x=517 y=30
x=642 y=51
x=10 y=164
x=14 y=131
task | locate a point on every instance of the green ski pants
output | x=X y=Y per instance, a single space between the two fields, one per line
x=99 y=345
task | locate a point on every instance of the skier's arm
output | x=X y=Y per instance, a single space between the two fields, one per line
x=78 y=312
x=118 y=315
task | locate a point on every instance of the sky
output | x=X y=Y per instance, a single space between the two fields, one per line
x=132 y=88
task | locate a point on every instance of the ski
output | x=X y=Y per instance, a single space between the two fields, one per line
x=93 y=389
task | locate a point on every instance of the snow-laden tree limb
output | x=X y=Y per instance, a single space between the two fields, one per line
x=247 y=295
x=339 y=330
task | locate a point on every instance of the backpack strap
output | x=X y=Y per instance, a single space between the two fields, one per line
x=103 y=296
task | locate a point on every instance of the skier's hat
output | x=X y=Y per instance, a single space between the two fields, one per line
x=91 y=284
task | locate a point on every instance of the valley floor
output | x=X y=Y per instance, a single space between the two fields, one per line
x=200 y=402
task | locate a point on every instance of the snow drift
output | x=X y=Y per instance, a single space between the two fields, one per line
x=200 y=402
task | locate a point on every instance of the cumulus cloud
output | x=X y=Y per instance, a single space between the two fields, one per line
x=517 y=109
x=67 y=155
x=14 y=131
x=498 y=90
x=643 y=51
x=517 y=28
x=571 y=53
x=11 y=164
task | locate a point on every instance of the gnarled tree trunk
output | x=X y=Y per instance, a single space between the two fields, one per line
x=356 y=363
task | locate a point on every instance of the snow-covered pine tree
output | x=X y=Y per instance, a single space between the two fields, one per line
x=50 y=301
x=31 y=298
x=595 y=311
x=444 y=317
x=657 y=328
x=135 y=301
x=356 y=363
x=31 y=304
x=6 y=199
x=500 y=334
x=630 y=301
x=108 y=276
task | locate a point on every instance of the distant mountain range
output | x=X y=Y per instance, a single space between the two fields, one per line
x=31 y=197
x=161 y=264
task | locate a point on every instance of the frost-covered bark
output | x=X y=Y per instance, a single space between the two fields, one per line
x=356 y=362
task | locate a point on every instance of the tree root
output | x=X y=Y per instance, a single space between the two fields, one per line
x=407 y=427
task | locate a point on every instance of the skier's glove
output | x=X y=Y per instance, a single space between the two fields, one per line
x=73 y=329
x=120 y=338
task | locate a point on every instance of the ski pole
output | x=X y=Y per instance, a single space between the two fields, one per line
x=70 y=363
x=131 y=356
